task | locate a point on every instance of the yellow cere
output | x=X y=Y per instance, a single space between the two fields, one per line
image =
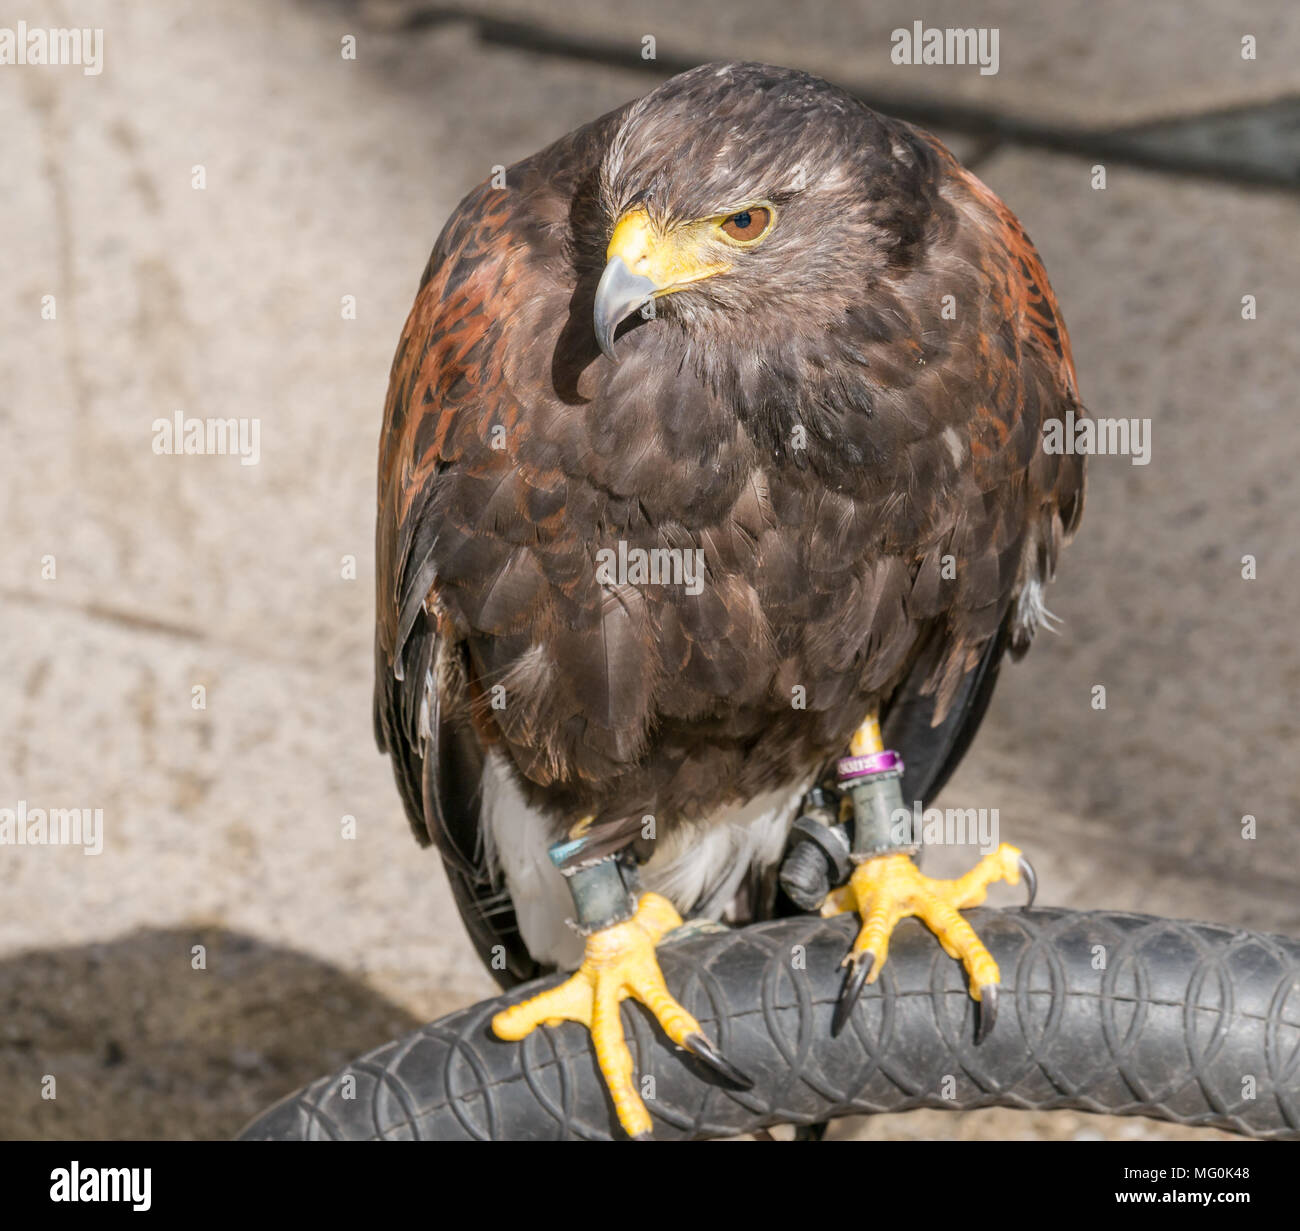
x=671 y=259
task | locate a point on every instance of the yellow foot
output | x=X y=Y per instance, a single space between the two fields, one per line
x=888 y=888
x=620 y=962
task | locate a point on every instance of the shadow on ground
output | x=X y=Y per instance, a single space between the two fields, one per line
x=141 y=1045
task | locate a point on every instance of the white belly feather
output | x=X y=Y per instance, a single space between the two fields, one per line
x=698 y=867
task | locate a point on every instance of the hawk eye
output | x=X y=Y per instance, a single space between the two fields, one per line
x=748 y=224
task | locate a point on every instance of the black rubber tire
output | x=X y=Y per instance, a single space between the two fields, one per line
x=1098 y=1011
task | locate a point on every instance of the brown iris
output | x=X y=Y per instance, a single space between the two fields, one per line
x=748 y=223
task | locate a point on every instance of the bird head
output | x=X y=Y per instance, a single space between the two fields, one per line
x=747 y=188
x=647 y=259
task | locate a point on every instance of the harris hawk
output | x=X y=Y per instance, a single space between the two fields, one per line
x=713 y=452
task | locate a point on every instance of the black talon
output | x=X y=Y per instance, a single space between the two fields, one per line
x=988 y=1012
x=1031 y=878
x=854 y=982
x=700 y=1047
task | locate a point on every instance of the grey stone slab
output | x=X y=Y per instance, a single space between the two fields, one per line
x=1245 y=144
x=1077 y=64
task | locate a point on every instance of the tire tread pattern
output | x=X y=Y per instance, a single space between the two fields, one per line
x=1099 y=1011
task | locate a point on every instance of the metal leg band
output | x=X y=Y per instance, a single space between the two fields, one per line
x=605 y=890
x=874 y=784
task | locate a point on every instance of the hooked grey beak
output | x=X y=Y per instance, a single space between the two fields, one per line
x=620 y=293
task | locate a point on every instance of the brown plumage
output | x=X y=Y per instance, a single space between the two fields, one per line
x=864 y=475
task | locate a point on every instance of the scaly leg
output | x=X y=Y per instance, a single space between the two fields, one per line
x=623 y=929
x=886 y=886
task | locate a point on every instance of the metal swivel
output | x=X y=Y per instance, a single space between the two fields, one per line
x=817 y=858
